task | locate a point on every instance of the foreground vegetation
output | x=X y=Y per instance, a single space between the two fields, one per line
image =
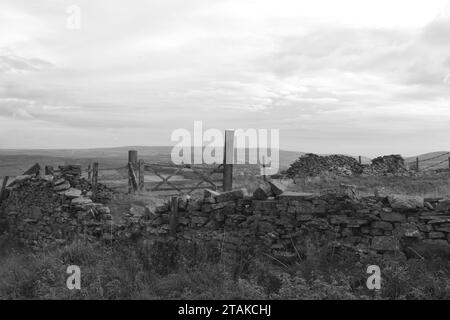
x=192 y=271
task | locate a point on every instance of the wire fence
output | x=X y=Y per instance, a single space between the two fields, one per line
x=424 y=164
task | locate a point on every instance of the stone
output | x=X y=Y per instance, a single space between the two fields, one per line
x=231 y=195
x=199 y=220
x=347 y=190
x=434 y=217
x=264 y=205
x=384 y=243
x=183 y=221
x=354 y=223
x=104 y=210
x=381 y=192
x=81 y=201
x=382 y=225
x=193 y=205
x=62 y=187
x=36 y=212
x=439 y=242
x=425 y=228
x=335 y=219
x=210 y=194
x=304 y=217
x=183 y=202
x=407 y=230
x=439 y=221
x=277 y=246
x=48 y=177
x=405 y=202
x=289 y=195
x=277 y=187
x=59 y=181
x=137 y=211
x=442 y=229
x=263 y=191
x=107 y=237
x=392 y=216
x=304 y=207
x=72 y=193
x=265 y=227
x=22 y=178
x=436 y=235
x=443 y=205
x=428 y=205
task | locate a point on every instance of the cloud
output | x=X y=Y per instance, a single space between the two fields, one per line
x=320 y=72
x=14 y=63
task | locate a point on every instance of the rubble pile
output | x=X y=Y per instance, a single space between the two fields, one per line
x=313 y=165
x=389 y=165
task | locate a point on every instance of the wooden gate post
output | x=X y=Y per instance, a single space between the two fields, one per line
x=417 y=163
x=359 y=160
x=173 y=216
x=94 y=179
x=228 y=159
x=449 y=162
x=132 y=159
x=2 y=190
x=141 y=175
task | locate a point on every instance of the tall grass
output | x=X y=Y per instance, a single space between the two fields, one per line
x=180 y=270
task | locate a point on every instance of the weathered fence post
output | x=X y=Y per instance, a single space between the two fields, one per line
x=449 y=162
x=48 y=170
x=89 y=170
x=3 y=189
x=359 y=160
x=264 y=169
x=417 y=163
x=228 y=159
x=94 y=179
x=132 y=164
x=141 y=175
x=173 y=216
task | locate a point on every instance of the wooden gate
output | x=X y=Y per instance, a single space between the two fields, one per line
x=166 y=172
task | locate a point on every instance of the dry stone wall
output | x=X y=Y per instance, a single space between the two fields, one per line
x=49 y=210
x=46 y=210
x=372 y=224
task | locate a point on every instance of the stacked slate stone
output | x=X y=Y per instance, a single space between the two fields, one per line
x=313 y=165
x=389 y=165
x=47 y=210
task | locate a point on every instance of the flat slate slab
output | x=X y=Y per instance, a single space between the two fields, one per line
x=290 y=195
x=72 y=193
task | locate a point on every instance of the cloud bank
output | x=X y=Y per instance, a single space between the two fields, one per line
x=350 y=77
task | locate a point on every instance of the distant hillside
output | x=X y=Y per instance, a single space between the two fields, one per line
x=16 y=161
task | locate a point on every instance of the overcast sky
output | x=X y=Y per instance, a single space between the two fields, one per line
x=355 y=77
